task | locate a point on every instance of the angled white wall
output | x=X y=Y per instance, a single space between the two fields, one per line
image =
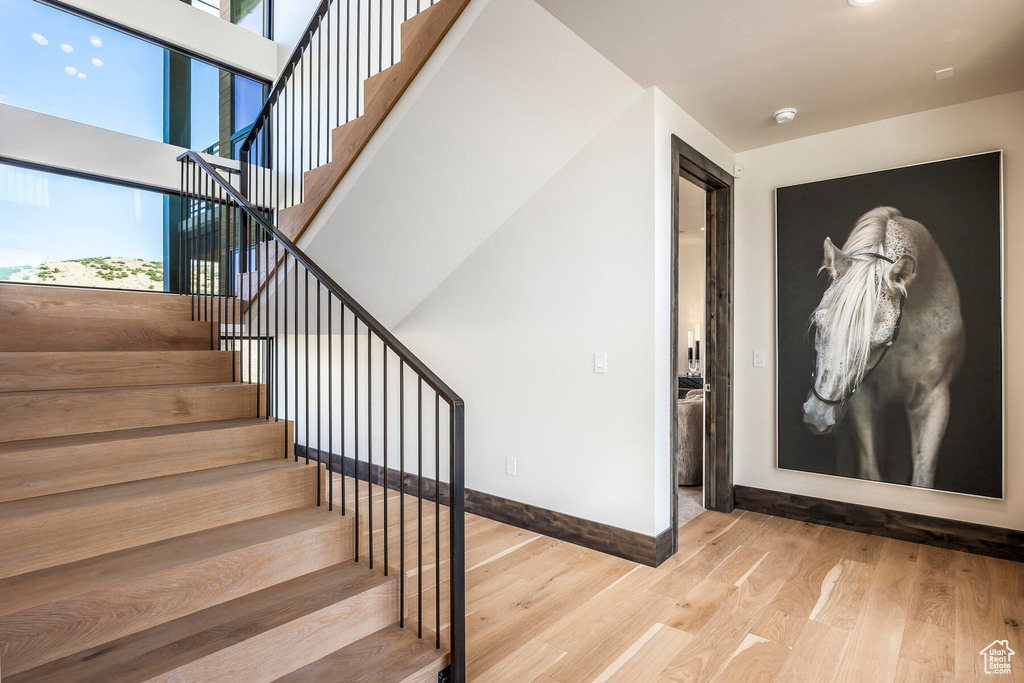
x=509 y=97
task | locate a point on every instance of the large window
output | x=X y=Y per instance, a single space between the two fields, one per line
x=56 y=229
x=252 y=15
x=60 y=64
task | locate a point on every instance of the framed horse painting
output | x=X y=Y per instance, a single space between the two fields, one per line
x=890 y=326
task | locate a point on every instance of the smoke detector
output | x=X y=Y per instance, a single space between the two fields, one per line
x=784 y=115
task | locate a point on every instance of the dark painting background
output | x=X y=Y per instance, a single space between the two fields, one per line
x=959 y=202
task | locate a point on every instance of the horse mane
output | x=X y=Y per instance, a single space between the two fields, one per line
x=848 y=312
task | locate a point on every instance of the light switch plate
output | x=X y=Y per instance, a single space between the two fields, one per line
x=600 y=362
x=510 y=466
x=759 y=358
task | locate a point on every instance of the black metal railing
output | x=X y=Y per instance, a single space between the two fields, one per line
x=357 y=400
x=319 y=90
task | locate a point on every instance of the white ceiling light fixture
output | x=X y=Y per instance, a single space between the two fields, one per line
x=81 y=75
x=70 y=70
x=66 y=48
x=97 y=62
x=96 y=42
x=41 y=39
x=860 y=3
x=784 y=115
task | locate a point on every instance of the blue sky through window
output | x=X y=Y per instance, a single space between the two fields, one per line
x=59 y=64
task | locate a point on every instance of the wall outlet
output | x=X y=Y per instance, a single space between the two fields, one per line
x=759 y=358
x=510 y=467
x=600 y=362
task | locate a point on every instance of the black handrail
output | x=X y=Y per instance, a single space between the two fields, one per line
x=327 y=281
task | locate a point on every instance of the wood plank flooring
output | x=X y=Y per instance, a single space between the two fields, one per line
x=749 y=597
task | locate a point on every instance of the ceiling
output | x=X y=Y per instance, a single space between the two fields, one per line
x=732 y=64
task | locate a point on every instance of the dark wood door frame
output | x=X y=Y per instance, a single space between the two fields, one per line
x=689 y=164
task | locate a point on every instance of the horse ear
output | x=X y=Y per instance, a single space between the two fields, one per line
x=903 y=271
x=836 y=262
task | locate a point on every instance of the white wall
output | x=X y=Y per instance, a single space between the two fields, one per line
x=978 y=126
x=520 y=211
x=507 y=100
x=183 y=25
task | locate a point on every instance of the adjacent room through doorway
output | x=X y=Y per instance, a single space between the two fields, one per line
x=690 y=313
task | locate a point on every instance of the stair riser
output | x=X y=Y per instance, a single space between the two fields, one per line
x=96 y=334
x=268 y=656
x=41 y=371
x=37 y=415
x=40 y=472
x=59 y=536
x=35 y=301
x=84 y=621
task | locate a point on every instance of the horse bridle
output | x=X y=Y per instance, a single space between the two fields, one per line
x=885 y=347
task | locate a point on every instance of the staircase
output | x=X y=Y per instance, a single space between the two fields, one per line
x=155 y=524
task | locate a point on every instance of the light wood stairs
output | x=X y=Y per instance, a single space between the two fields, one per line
x=152 y=527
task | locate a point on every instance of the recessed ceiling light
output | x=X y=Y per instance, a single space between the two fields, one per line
x=784 y=115
x=67 y=48
x=40 y=38
x=860 y=3
x=81 y=75
x=96 y=42
x=70 y=70
x=97 y=62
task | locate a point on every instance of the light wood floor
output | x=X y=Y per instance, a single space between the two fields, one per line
x=748 y=598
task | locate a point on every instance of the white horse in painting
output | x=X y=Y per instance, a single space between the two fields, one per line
x=889 y=277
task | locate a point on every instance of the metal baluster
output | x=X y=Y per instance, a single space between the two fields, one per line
x=355 y=423
x=401 y=489
x=437 y=520
x=386 y=470
x=296 y=283
x=330 y=405
x=369 y=439
x=305 y=333
x=344 y=416
x=419 y=507
x=319 y=414
x=359 y=31
x=285 y=344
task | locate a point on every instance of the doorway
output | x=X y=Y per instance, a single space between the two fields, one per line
x=695 y=178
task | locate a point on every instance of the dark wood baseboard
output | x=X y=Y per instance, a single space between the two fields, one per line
x=1006 y=544
x=630 y=545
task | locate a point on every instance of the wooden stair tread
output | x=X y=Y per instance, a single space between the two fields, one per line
x=182 y=645
x=28 y=445
x=42 y=370
x=75 y=578
x=60 y=412
x=16 y=510
x=39 y=467
x=55 y=612
x=392 y=654
x=33 y=300
x=45 y=531
x=102 y=334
